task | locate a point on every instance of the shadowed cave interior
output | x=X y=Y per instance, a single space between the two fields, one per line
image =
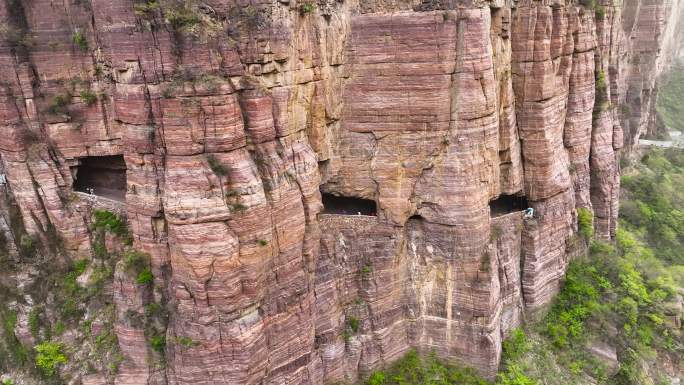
x=105 y=175
x=333 y=204
x=506 y=204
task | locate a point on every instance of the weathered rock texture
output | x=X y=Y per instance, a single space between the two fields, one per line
x=233 y=115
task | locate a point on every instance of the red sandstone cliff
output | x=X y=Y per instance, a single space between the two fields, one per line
x=233 y=115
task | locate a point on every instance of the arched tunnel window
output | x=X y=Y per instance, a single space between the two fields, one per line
x=333 y=204
x=103 y=176
x=506 y=204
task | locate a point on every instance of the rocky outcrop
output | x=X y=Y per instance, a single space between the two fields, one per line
x=233 y=116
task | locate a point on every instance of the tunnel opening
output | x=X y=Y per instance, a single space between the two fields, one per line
x=103 y=176
x=333 y=204
x=507 y=204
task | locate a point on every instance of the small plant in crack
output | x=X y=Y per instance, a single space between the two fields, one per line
x=353 y=324
x=145 y=9
x=306 y=8
x=366 y=270
x=88 y=97
x=80 y=40
x=158 y=343
x=59 y=103
x=216 y=166
x=186 y=342
x=238 y=207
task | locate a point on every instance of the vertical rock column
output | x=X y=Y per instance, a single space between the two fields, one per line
x=542 y=63
x=581 y=95
x=457 y=302
x=606 y=131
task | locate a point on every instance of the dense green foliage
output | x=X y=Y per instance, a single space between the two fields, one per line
x=158 y=343
x=109 y=221
x=414 y=369
x=621 y=294
x=49 y=355
x=71 y=293
x=670 y=95
x=13 y=353
x=145 y=277
x=653 y=203
x=585 y=220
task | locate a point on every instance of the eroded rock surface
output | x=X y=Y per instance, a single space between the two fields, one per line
x=232 y=116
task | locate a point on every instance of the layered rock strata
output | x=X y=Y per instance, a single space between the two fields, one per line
x=232 y=116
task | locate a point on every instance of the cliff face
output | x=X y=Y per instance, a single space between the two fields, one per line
x=233 y=116
x=652 y=38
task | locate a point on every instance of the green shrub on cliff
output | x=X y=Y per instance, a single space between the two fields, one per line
x=88 y=97
x=515 y=345
x=158 y=343
x=377 y=378
x=145 y=277
x=414 y=369
x=59 y=103
x=135 y=262
x=186 y=342
x=145 y=9
x=600 y=12
x=17 y=353
x=69 y=285
x=513 y=375
x=307 y=8
x=49 y=355
x=80 y=40
x=353 y=324
x=601 y=101
x=585 y=221
x=180 y=15
x=216 y=166
x=109 y=221
x=34 y=322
